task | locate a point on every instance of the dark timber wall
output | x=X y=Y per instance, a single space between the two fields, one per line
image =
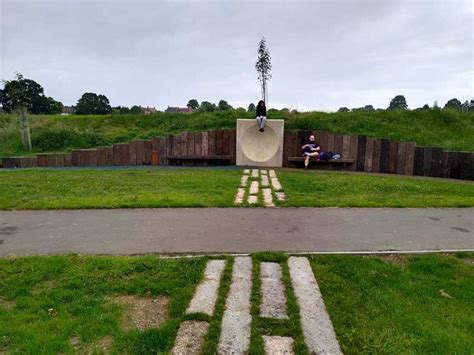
x=218 y=147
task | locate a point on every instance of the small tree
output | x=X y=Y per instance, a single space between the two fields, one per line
x=224 y=106
x=193 y=103
x=398 y=103
x=263 y=67
x=251 y=107
x=343 y=109
x=454 y=104
x=93 y=104
x=135 y=110
x=206 y=106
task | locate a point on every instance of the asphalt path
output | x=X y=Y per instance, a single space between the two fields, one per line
x=235 y=230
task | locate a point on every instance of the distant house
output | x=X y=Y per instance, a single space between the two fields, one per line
x=148 y=110
x=179 y=109
x=68 y=110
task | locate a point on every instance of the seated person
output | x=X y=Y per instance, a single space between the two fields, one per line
x=310 y=149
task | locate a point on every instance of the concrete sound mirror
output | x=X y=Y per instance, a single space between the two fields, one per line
x=257 y=148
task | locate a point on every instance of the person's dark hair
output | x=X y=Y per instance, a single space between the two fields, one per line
x=261 y=102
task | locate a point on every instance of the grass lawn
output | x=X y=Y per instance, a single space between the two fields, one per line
x=186 y=187
x=390 y=304
x=65 y=189
x=333 y=189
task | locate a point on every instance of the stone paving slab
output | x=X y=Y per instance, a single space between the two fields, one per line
x=205 y=296
x=252 y=199
x=280 y=196
x=268 y=198
x=276 y=345
x=253 y=188
x=247 y=171
x=276 y=184
x=243 y=180
x=235 y=230
x=272 y=173
x=254 y=173
x=239 y=197
x=273 y=303
x=265 y=181
x=190 y=338
x=317 y=327
x=235 y=330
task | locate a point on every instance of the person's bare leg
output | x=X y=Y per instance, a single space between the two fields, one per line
x=306 y=161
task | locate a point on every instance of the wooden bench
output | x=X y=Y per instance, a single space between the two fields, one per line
x=201 y=158
x=343 y=162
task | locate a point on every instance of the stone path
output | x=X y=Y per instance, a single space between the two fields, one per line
x=317 y=327
x=205 y=296
x=234 y=338
x=255 y=180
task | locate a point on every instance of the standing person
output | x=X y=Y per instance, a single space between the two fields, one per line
x=310 y=149
x=261 y=115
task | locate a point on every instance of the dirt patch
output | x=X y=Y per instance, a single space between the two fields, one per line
x=6 y=304
x=398 y=259
x=42 y=287
x=100 y=346
x=142 y=312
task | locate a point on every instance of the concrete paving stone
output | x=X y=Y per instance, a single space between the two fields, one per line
x=190 y=338
x=246 y=171
x=263 y=172
x=276 y=184
x=252 y=199
x=268 y=198
x=273 y=302
x=318 y=330
x=235 y=330
x=264 y=181
x=239 y=198
x=243 y=180
x=255 y=173
x=205 y=296
x=254 y=188
x=272 y=173
x=276 y=345
x=280 y=196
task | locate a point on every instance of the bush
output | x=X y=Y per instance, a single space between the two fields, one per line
x=62 y=139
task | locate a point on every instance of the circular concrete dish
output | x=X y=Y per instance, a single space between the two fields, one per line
x=259 y=146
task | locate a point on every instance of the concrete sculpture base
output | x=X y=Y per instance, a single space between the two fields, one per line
x=257 y=148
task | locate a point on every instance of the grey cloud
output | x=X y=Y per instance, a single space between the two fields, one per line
x=326 y=54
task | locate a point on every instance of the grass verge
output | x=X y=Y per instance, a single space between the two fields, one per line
x=66 y=189
x=186 y=187
x=340 y=189
x=418 y=304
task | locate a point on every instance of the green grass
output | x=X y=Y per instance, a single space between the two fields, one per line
x=331 y=189
x=66 y=189
x=444 y=128
x=384 y=305
x=76 y=287
x=394 y=306
x=27 y=189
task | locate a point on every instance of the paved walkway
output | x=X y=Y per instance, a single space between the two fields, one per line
x=234 y=230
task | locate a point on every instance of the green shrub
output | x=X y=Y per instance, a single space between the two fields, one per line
x=62 y=139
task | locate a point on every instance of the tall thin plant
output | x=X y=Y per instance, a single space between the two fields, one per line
x=263 y=67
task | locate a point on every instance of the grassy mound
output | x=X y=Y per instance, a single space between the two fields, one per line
x=443 y=128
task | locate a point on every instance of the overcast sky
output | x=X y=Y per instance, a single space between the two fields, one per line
x=325 y=54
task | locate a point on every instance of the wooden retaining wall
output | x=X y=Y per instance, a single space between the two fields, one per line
x=369 y=154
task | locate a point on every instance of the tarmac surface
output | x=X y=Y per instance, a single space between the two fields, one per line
x=235 y=230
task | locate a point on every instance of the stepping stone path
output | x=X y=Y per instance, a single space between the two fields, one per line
x=259 y=180
x=317 y=327
x=206 y=293
x=318 y=331
x=273 y=292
